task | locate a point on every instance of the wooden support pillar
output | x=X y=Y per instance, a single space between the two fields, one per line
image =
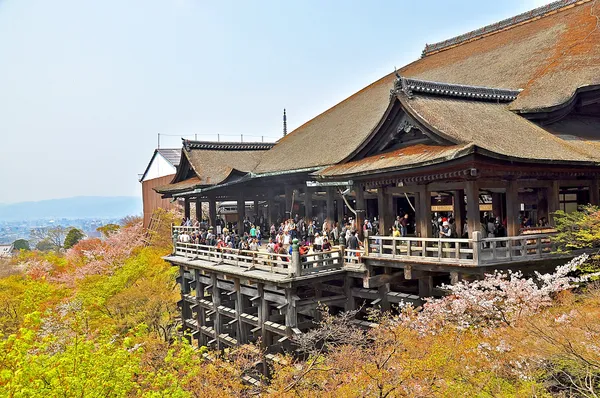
x=359 y=206
x=241 y=213
x=186 y=208
x=272 y=216
x=497 y=205
x=340 y=210
x=308 y=203
x=553 y=200
x=512 y=209
x=350 y=302
x=201 y=314
x=385 y=210
x=291 y=317
x=455 y=277
x=212 y=212
x=459 y=210
x=425 y=286
x=330 y=209
x=473 y=217
x=595 y=192
x=288 y=203
x=423 y=216
x=216 y=299
x=256 y=210
x=198 y=209
x=241 y=332
x=263 y=315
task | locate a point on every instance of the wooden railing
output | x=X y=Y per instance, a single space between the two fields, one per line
x=463 y=252
x=248 y=260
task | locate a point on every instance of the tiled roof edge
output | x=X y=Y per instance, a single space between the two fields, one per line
x=229 y=146
x=537 y=12
x=409 y=86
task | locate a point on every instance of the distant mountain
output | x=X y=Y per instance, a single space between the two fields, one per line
x=80 y=207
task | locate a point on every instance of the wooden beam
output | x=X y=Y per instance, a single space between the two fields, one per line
x=459 y=209
x=473 y=218
x=212 y=212
x=380 y=280
x=308 y=203
x=241 y=214
x=553 y=200
x=330 y=209
x=423 y=215
x=198 y=209
x=186 y=207
x=512 y=209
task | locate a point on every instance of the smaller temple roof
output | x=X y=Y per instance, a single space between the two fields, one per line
x=180 y=186
x=493 y=127
x=173 y=155
x=409 y=157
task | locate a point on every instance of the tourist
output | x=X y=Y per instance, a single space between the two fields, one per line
x=404 y=225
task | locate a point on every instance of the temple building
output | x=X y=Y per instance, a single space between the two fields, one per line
x=503 y=121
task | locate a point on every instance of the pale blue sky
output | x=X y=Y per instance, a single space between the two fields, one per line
x=85 y=86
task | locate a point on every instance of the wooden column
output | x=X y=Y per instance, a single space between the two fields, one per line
x=553 y=200
x=263 y=315
x=350 y=302
x=330 y=209
x=425 y=286
x=459 y=210
x=186 y=208
x=423 y=216
x=291 y=317
x=308 y=203
x=216 y=299
x=512 y=209
x=288 y=203
x=256 y=209
x=473 y=218
x=497 y=205
x=212 y=211
x=241 y=332
x=272 y=215
x=201 y=318
x=198 y=209
x=241 y=212
x=385 y=210
x=595 y=192
x=359 y=206
x=340 y=209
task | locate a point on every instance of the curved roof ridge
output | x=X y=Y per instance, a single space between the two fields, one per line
x=409 y=85
x=500 y=26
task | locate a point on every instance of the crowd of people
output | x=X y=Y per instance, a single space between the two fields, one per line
x=312 y=236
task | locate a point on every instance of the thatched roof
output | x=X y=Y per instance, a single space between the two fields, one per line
x=213 y=166
x=180 y=186
x=409 y=157
x=493 y=127
x=334 y=134
x=548 y=57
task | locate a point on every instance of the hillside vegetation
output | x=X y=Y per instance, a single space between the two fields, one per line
x=100 y=319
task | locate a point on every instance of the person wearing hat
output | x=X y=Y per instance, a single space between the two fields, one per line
x=445 y=232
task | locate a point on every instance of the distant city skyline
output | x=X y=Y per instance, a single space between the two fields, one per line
x=87 y=86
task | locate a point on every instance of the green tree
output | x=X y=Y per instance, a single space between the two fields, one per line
x=73 y=236
x=108 y=229
x=45 y=245
x=21 y=244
